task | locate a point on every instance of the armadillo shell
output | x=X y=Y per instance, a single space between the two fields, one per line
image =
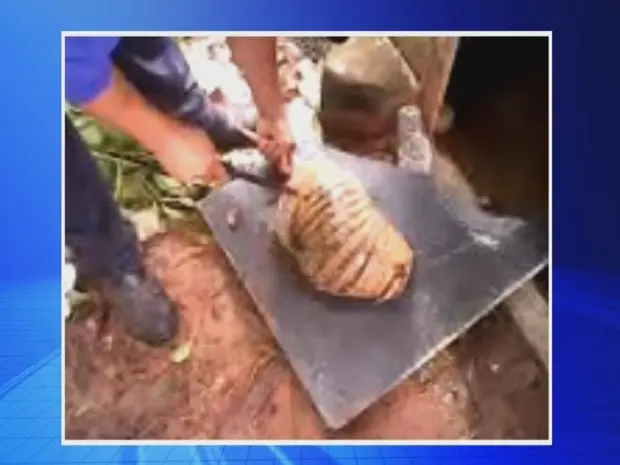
x=339 y=240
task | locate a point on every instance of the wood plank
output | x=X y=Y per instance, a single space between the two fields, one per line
x=431 y=59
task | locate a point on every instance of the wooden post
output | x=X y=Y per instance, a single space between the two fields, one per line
x=530 y=311
x=431 y=59
x=436 y=78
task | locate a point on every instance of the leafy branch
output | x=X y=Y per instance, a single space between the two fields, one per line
x=134 y=176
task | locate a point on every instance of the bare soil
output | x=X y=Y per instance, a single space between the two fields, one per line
x=237 y=384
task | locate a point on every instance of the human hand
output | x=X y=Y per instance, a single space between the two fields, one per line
x=185 y=152
x=189 y=156
x=275 y=141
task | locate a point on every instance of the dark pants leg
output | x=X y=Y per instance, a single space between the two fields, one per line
x=104 y=244
x=158 y=69
x=107 y=251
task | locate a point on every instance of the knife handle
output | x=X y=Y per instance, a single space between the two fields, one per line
x=251 y=136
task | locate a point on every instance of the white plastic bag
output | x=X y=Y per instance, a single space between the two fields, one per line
x=68 y=282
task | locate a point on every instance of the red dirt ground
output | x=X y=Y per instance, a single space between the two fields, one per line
x=236 y=383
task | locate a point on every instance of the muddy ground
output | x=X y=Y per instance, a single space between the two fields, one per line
x=489 y=384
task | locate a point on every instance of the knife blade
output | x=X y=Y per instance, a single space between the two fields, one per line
x=270 y=181
x=264 y=181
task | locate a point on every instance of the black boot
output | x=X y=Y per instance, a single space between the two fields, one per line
x=106 y=251
x=143 y=306
x=137 y=297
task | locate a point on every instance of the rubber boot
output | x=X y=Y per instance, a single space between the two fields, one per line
x=106 y=251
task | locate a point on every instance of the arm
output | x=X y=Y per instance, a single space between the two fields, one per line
x=93 y=84
x=120 y=106
x=256 y=57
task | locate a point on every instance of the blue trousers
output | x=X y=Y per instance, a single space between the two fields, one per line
x=104 y=244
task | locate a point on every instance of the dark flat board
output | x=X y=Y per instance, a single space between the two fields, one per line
x=349 y=353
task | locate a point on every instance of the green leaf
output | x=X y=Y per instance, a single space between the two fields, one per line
x=118 y=183
x=134 y=195
x=118 y=142
x=106 y=168
x=92 y=135
x=181 y=353
x=168 y=184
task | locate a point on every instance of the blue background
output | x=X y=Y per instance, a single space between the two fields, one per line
x=586 y=353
